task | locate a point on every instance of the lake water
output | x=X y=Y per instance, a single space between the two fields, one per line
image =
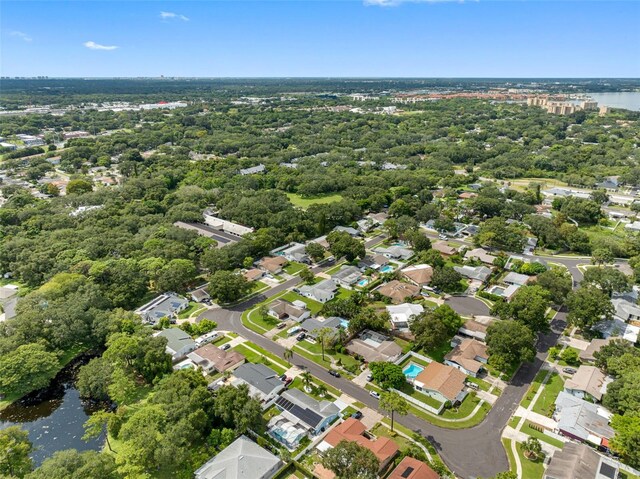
x=628 y=100
x=54 y=416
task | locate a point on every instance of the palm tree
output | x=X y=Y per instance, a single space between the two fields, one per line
x=287 y=354
x=321 y=390
x=323 y=335
x=393 y=402
x=306 y=379
x=532 y=448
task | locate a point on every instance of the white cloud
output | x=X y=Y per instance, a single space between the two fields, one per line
x=171 y=15
x=395 y=3
x=97 y=46
x=22 y=35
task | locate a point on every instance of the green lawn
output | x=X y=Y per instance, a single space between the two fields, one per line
x=193 y=306
x=530 y=469
x=258 y=286
x=312 y=305
x=506 y=443
x=546 y=401
x=438 y=354
x=222 y=340
x=535 y=385
x=424 y=398
x=513 y=422
x=413 y=359
x=261 y=357
x=380 y=430
x=484 y=385
x=451 y=414
x=304 y=203
x=293 y=267
x=533 y=432
x=335 y=269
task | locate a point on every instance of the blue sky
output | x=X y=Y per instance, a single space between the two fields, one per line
x=399 y=38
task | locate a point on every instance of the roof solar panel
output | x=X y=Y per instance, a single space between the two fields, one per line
x=305 y=415
x=407 y=472
x=608 y=470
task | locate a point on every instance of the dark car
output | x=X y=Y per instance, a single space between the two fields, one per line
x=226 y=346
x=301 y=336
x=281 y=325
x=335 y=374
x=283 y=377
x=569 y=370
x=357 y=415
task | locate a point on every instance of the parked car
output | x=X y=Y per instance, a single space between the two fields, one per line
x=281 y=325
x=357 y=415
x=225 y=346
x=473 y=386
x=569 y=370
x=374 y=394
x=288 y=381
x=369 y=377
x=334 y=373
x=282 y=377
x=301 y=336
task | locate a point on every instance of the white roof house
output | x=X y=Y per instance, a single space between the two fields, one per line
x=322 y=292
x=403 y=314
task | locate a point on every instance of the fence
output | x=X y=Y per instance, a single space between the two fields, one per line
x=420 y=404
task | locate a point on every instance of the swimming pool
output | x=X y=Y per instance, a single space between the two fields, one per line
x=412 y=370
x=386 y=269
x=364 y=282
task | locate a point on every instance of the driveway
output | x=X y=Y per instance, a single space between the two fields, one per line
x=468 y=306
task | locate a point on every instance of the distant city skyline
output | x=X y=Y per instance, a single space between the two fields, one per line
x=370 y=38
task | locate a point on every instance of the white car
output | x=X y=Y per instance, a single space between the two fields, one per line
x=374 y=394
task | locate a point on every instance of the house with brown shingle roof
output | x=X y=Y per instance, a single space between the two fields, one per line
x=587 y=383
x=353 y=430
x=410 y=468
x=444 y=248
x=398 y=291
x=373 y=346
x=253 y=274
x=418 y=274
x=444 y=383
x=480 y=254
x=588 y=355
x=210 y=358
x=469 y=356
x=272 y=264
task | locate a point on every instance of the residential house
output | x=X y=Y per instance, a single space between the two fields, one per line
x=367 y=224
x=347 y=229
x=313 y=325
x=321 y=240
x=394 y=252
x=617 y=328
x=582 y=420
x=8 y=301
x=475 y=273
x=530 y=246
x=322 y=292
x=347 y=276
x=380 y=218
x=263 y=381
x=354 y=431
x=625 y=310
x=516 y=279
x=373 y=262
x=167 y=305
x=403 y=314
x=469 y=356
x=253 y=170
x=179 y=343
x=443 y=248
x=441 y=382
x=223 y=225
x=587 y=383
x=418 y=274
x=579 y=461
x=272 y=264
x=299 y=416
x=398 y=291
x=294 y=252
x=242 y=459
x=284 y=310
x=515 y=259
x=467 y=195
x=410 y=468
x=211 y=358
x=253 y=274
x=373 y=346
x=476 y=328
x=609 y=183
x=200 y=295
x=480 y=254
x=588 y=355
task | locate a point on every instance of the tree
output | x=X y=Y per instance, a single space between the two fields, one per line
x=288 y=354
x=496 y=233
x=557 y=282
x=532 y=448
x=528 y=306
x=627 y=437
x=78 y=187
x=447 y=316
x=447 y=279
x=602 y=256
x=616 y=348
x=509 y=343
x=27 y=368
x=307 y=275
x=588 y=306
x=431 y=257
x=306 y=378
x=324 y=336
x=94 y=379
x=122 y=388
x=393 y=402
x=227 y=287
x=430 y=333
x=176 y=274
x=341 y=244
x=506 y=475
x=15 y=449
x=70 y=463
x=608 y=279
x=623 y=394
x=418 y=241
x=350 y=460
x=387 y=375
x=96 y=425
x=585 y=212
x=314 y=251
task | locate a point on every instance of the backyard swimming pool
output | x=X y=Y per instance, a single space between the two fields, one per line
x=363 y=282
x=412 y=370
x=386 y=269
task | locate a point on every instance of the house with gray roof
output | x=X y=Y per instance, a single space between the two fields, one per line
x=579 y=461
x=516 y=279
x=625 y=310
x=242 y=459
x=167 y=305
x=587 y=383
x=313 y=325
x=253 y=170
x=394 y=252
x=300 y=415
x=347 y=276
x=179 y=343
x=582 y=420
x=293 y=252
x=263 y=382
x=477 y=273
x=347 y=229
x=322 y=292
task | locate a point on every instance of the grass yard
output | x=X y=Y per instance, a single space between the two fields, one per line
x=484 y=385
x=258 y=286
x=381 y=430
x=530 y=429
x=535 y=385
x=313 y=305
x=506 y=443
x=293 y=267
x=261 y=356
x=222 y=340
x=513 y=422
x=404 y=344
x=545 y=403
x=304 y=203
x=530 y=469
x=452 y=414
x=413 y=359
x=193 y=306
x=438 y=354
x=335 y=269
x=424 y=398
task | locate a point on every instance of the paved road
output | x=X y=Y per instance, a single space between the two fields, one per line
x=468 y=306
x=470 y=453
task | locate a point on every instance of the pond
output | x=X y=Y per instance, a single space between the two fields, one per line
x=54 y=416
